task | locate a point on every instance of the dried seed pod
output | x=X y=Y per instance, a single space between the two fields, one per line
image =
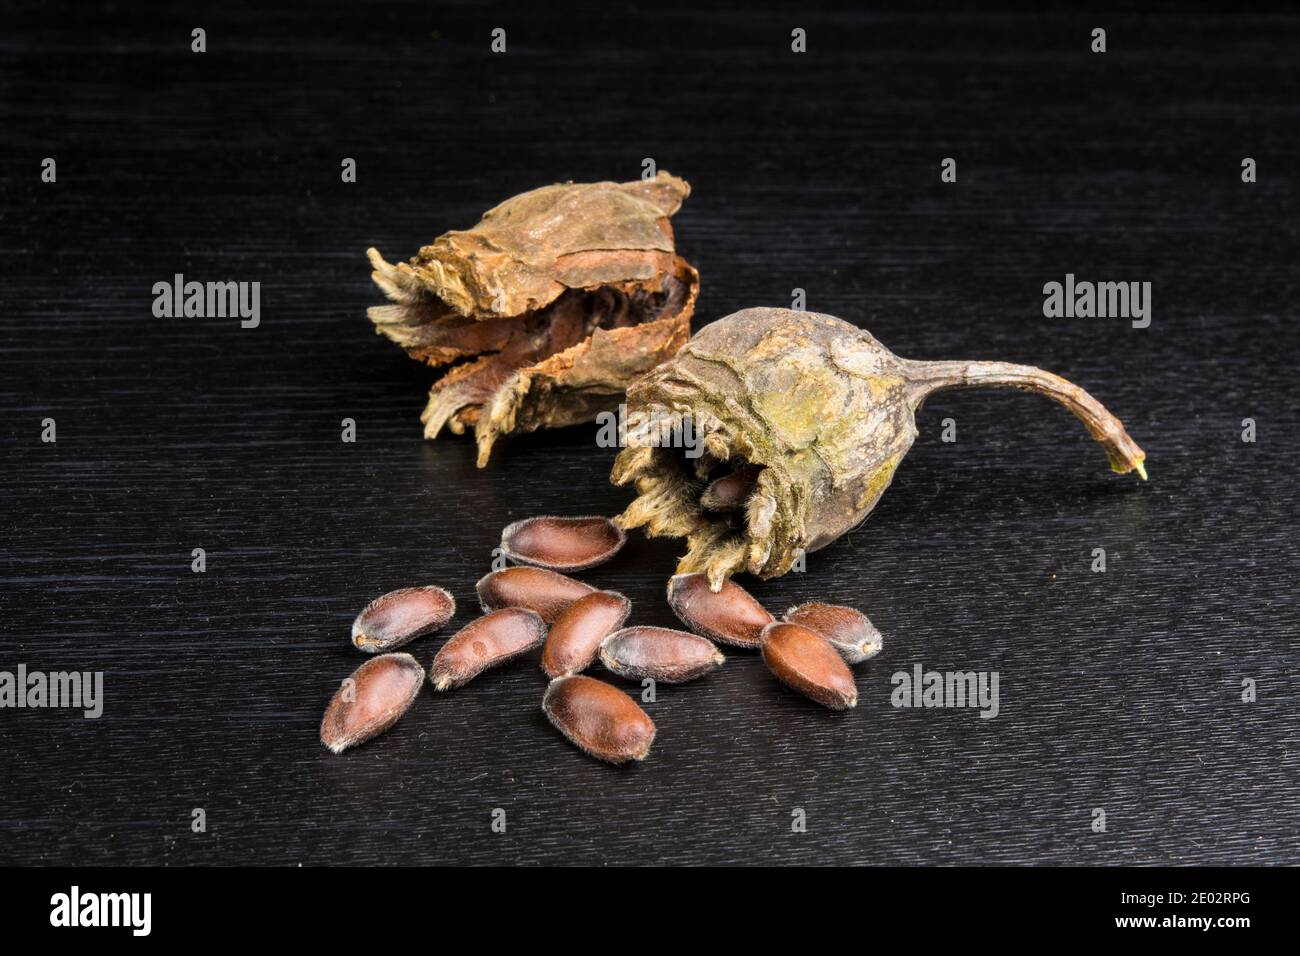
x=660 y=653
x=562 y=544
x=371 y=700
x=598 y=718
x=574 y=638
x=400 y=616
x=556 y=300
x=546 y=592
x=805 y=661
x=489 y=641
x=729 y=615
x=847 y=629
x=730 y=492
x=822 y=409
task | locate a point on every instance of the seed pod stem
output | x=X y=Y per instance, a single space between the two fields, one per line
x=926 y=378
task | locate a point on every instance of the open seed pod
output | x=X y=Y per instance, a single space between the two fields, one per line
x=546 y=310
x=814 y=414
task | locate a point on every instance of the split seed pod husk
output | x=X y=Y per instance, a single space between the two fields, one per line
x=488 y=641
x=551 y=305
x=370 y=701
x=546 y=592
x=562 y=544
x=805 y=661
x=574 y=639
x=730 y=615
x=599 y=719
x=847 y=629
x=660 y=653
x=823 y=410
x=400 y=616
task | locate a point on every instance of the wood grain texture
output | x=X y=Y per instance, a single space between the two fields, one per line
x=1118 y=691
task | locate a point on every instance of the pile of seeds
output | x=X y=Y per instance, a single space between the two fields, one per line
x=532 y=605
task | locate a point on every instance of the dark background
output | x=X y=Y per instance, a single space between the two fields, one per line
x=1119 y=691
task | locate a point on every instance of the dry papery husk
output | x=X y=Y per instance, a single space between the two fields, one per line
x=546 y=310
x=822 y=409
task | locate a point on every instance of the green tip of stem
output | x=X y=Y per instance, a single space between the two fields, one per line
x=1141 y=470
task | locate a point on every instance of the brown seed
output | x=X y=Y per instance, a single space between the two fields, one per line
x=371 y=700
x=400 y=616
x=660 y=653
x=562 y=544
x=575 y=637
x=547 y=593
x=598 y=718
x=847 y=629
x=486 y=642
x=731 y=616
x=804 y=660
x=730 y=492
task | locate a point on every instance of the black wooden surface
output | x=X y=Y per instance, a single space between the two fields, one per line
x=1119 y=691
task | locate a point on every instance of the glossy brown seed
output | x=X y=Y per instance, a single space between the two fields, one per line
x=731 y=616
x=574 y=638
x=660 y=653
x=547 y=593
x=598 y=718
x=730 y=492
x=804 y=660
x=400 y=616
x=486 y=642
x=371 y=700
x=847 y=629
x=562 y=544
